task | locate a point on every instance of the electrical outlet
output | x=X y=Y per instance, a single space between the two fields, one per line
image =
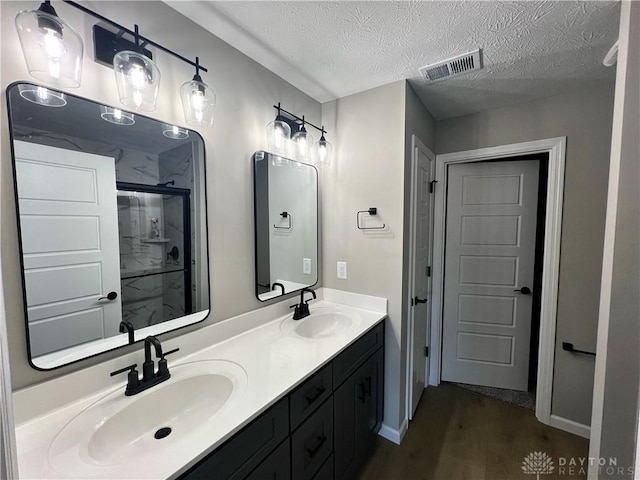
x=342 y=270
x=306 y=266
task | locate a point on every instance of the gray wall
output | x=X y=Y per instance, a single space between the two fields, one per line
x=245 y=92
x=622 y=381
x=585 y=118
x=368 y=171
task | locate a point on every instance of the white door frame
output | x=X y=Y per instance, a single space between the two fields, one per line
x=416 y=143
x=556 y=148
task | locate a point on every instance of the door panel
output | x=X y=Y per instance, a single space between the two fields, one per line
x=490 y=253
x=70 y=245
x=422 y=240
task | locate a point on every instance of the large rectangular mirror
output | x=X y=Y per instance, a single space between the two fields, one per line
x=286 y=225
x=111 y=212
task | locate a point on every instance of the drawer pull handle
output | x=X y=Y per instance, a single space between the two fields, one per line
x=312 y=398
x=361 y=392
x=368 y=388
x=314 y=450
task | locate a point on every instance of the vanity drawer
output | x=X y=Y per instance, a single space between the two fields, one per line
x=348 y=361
x=239 y=456
x=312 y=443
x=309 y=396
x=276 y=466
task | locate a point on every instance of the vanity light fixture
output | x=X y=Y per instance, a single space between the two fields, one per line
x=42 y=96
x=174 y=132
x=53 y=51
x=279 y=131
x=117 y=116
x=278 y=134
x=303 y=142
x=51 y=47
x=198 y=100
x=323 y=150
x=137 y=77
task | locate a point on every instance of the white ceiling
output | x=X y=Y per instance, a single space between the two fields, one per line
x=331 y=49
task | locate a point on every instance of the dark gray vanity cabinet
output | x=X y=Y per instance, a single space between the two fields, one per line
x=358 y=412
x=322 y=430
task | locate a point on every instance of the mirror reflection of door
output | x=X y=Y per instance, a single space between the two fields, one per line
x=69 y=245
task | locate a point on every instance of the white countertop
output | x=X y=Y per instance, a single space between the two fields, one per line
x=274 y=362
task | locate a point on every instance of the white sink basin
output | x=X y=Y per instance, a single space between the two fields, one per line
x=119 y=430
x=321 y=324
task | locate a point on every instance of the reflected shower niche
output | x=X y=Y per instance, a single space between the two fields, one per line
x=155 y=253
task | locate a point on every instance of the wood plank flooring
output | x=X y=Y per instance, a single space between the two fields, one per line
x=457 y=434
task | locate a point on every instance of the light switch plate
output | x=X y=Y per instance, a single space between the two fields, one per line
x=306 y=266
x=342 y=270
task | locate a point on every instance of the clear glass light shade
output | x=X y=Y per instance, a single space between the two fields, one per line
x=52 y=48
x=138 y=80
x=42 y=95
x=198 y=103
x=323 y=151
x=278 y=135
x=175 y=132
x=117 y=116
x=303 y=142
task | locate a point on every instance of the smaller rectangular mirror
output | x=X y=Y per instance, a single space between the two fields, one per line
x=286 y=225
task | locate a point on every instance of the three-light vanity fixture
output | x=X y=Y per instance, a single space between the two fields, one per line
x=53 y=51
x=288 y=132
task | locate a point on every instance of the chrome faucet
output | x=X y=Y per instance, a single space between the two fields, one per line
x=302 y=309
x=149 y=376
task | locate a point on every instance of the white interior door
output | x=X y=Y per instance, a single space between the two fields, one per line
x=69 y=226
x=489 y=256
x=421 y=286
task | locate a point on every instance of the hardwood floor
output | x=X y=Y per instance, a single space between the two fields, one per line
x=460 y=435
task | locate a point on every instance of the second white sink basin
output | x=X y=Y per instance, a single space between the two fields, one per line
x=321 y=324
x=118 y=430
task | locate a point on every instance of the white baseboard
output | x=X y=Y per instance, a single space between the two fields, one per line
x=392 y=434
x=570 y=426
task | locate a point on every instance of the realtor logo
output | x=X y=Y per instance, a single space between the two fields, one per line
x=537 y=463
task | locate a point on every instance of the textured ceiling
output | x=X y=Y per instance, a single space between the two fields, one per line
x=332 y=49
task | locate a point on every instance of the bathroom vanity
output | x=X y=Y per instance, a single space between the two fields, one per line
x=321 y=430
x=272 y=398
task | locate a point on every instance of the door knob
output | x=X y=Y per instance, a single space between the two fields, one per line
x=418 y=300
x=110 y=296
x=523 y=290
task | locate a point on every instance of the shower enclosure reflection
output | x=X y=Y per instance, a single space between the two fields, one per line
x=155 y=253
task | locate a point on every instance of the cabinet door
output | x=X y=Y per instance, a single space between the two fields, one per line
x=345 y=422
x=369 y=410
x=276 y=466
x=357 y=416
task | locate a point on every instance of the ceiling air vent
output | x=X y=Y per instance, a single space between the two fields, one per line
x=453 y=67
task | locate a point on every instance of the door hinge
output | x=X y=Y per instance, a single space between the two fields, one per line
x=428 y=273
x=426 y=351
x=432 y=186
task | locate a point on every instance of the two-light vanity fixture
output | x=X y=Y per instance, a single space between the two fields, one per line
x=53 y=51
x=287 y=136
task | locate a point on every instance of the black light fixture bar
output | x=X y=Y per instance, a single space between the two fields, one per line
x=144 y=40
x=299 y=119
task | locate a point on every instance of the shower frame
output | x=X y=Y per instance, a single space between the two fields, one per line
x=185 y=193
